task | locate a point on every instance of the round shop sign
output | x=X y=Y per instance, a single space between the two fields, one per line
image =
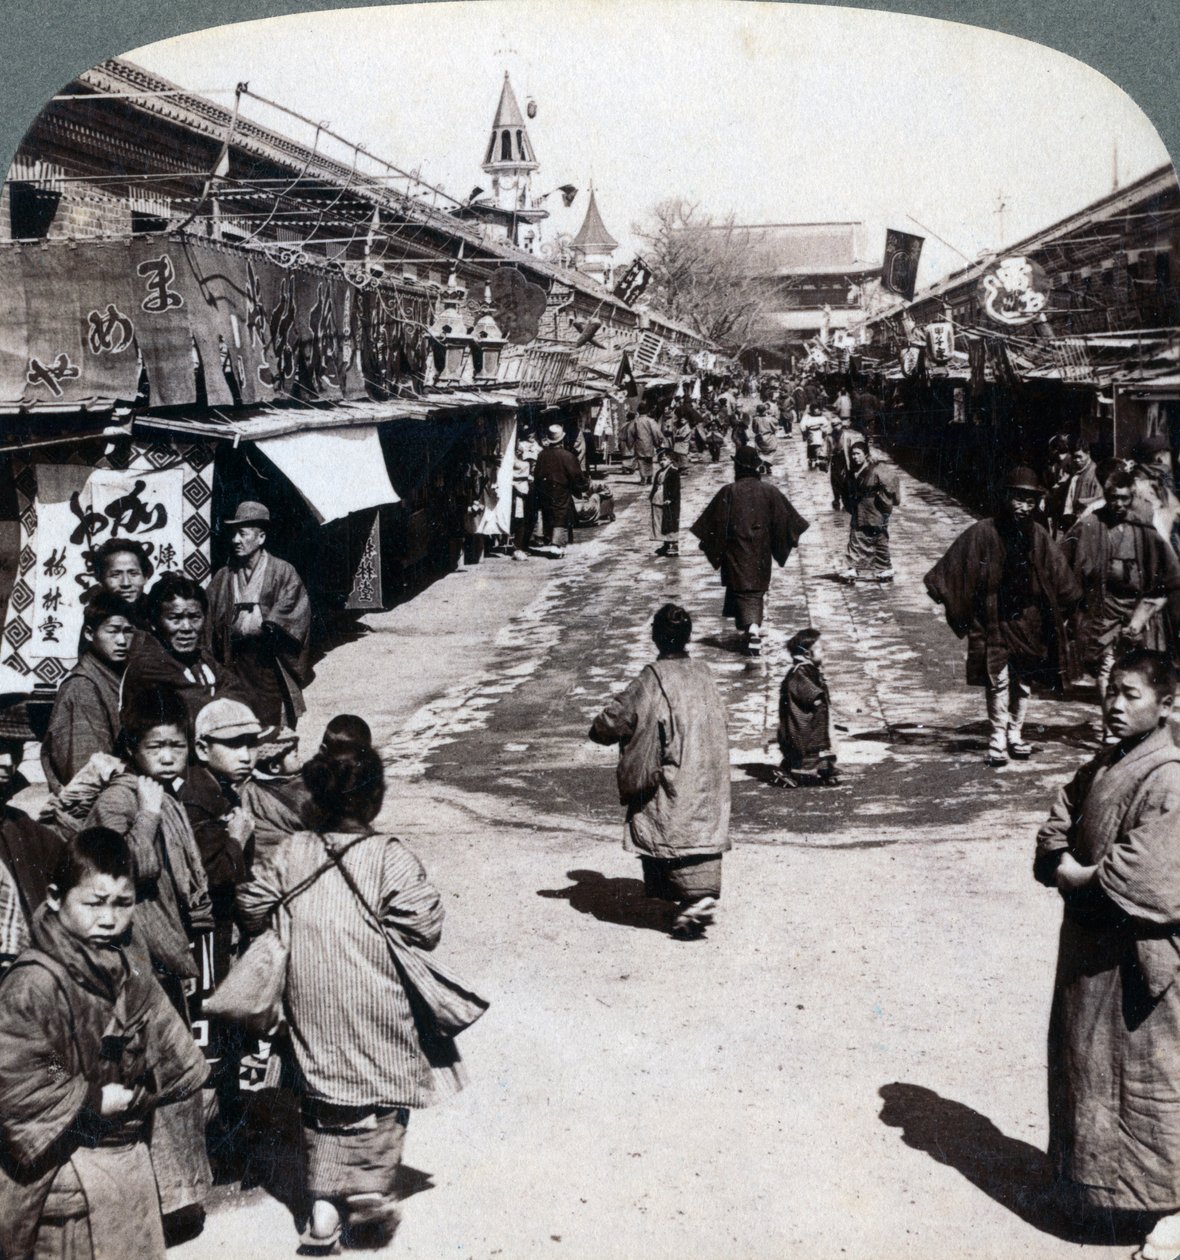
x=1014 y=291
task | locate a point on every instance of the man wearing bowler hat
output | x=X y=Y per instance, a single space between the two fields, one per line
x=557 y=479
x=1007 y=588
x=260 y=619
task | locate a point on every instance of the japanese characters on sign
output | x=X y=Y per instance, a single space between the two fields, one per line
x=1014 y=291
x=78 y=509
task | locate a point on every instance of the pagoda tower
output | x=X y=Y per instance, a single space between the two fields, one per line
x=594 y=246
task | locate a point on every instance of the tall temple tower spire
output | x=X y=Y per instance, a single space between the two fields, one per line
x=594 y=246
x=510 y=159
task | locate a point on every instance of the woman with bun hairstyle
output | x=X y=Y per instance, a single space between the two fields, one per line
x=361 y=1060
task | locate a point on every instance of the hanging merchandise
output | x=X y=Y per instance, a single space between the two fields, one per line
x=1014 y=291
x=911 y=361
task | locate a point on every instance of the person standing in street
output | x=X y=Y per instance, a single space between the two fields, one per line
x=764 y=431
x=873 y=493
x=1080 y=491
x=1130 y=578
x=648 y=439
x=665 y=505
x=804 y=722
x=1006 y=587
x=1109 y=848
x=815 y=429
x=557 y=478
x=843 y=404
x=673 y=774
x=747 y=526
x=260 y=620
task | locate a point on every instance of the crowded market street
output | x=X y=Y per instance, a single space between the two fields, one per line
x=805 y=1070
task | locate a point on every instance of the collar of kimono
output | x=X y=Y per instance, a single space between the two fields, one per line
x=102 y=971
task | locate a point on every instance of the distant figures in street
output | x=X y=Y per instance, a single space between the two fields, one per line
x=1109 y=848
x=749 y=525
x=665 y=504
x=1007 y=589
x=871 y=490
x=673 y=774
x=260 y=620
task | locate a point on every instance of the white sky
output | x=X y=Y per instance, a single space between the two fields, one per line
x=781 y=113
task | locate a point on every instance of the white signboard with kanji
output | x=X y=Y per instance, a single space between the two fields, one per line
x=158 y=495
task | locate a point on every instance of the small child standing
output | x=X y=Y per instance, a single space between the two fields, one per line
x=804 y=736
x=89 y=1047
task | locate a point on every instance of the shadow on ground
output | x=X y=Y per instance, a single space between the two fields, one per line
x=1011 y=1172
x=611 y=900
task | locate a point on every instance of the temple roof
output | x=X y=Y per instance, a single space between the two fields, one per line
x=592 y=237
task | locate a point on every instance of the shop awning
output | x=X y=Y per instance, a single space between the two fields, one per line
x=337 y=471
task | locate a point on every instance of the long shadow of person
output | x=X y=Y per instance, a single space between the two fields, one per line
x=1016 y=1175
x=612 y=900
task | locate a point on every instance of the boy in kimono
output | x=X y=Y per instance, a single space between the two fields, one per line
x=1109 y=846
x=89 y=1047
x=804 y=724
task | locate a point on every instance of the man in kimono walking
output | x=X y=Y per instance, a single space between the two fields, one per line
x=1109 y=848
x=1006 y=588
x=747 y=525
x=260 y=620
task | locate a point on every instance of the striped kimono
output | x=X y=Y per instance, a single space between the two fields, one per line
x=353 y=1032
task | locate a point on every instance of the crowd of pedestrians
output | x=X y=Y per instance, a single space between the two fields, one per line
x=193 y=903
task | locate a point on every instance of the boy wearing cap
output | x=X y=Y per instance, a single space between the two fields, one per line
x=226 y=735
x=1007 y=588
x=260 y=620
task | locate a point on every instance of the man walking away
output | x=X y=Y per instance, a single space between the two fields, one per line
x=746 y=526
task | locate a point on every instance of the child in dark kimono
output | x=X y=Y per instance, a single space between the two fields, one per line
x=89 y=1047
x=803 y=717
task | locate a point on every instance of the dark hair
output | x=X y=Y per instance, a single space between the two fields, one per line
x=802 y=640
x=145 y=711
x=1118 y=479
x=671 y=628
x=102 y=606
x=346 y=730
x=93 y=851
x=1155 y=667
x=118 y=547
x=1077 y=444
x=173 y=585
x=345 y=783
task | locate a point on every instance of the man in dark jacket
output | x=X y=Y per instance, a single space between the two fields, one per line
x=746 y=526
x=557 y=478
x=1006 y=587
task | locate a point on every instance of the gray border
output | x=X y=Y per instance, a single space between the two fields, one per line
x=47 y=42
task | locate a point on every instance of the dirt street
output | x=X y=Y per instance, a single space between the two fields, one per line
x=852 y=1063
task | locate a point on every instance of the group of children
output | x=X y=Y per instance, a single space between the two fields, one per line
x=118 y=910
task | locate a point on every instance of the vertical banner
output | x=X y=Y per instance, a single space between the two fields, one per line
x=899 y=272
x=159 y=495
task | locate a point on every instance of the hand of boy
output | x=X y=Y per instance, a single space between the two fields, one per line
x=116 y=1099
x=151 y=795
x=1072 y=875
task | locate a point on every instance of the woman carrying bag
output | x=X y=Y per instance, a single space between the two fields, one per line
x=361 y=1001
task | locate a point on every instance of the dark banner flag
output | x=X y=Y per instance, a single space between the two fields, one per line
x=634 y=280
x=899 y=272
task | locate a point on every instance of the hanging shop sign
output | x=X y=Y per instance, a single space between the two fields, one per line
x=940 y=341
x=78 y=323
x=899 y=271
x=1014 y=291
x=911 y=360
x=158 y=494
